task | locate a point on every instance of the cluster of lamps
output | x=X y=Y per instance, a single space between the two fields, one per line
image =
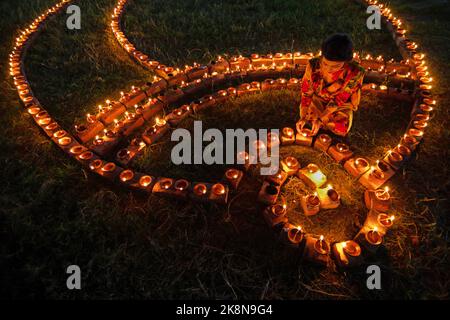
x=102 y=130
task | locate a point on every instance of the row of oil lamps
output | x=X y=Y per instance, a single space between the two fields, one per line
x=109 y=169
x=378 y=200
x=214 y=192
x=277 y=61
x=135 y=115
x=412 y=68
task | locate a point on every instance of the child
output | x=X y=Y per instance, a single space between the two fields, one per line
x=331 y=88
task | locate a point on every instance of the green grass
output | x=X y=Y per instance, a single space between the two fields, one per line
x=54 y=214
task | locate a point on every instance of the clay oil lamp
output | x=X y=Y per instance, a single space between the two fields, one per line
x=292 y=235
x=290 y=165
x=275 y=215
x=356 y=166
x=340 y=152
x=304 y=138
x=323 y=142
x=268 y=193
x=347 y=254
x=219 y=193
x=394 y=159
x=287 y=136
x=233 y=177
x=310 y=204
x=316 y=250
x=379 y=200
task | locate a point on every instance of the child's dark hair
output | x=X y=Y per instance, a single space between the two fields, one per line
x=338 y=47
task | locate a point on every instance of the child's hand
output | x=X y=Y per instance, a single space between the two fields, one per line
x=300 y=124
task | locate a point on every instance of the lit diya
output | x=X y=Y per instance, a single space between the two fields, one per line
x=295 y=235
x=356 y=166
x=181 y=185
x=145 y=181
x=379 y=199
x=386 y=220
x=200 y=189
x=310 y=204
x=304 y=138
x=233 y=177
x=323 y=142
x=290 y=165
x=275 y=215
x=126 y=175
x=287 y=136
x=351 y=248
x=321 y=246
x=374 y=237
x=340 y=152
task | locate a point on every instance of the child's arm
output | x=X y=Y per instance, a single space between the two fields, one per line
x=308 y=112
x=307 y=92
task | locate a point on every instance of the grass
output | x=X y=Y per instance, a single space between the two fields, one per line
x=54 y=214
